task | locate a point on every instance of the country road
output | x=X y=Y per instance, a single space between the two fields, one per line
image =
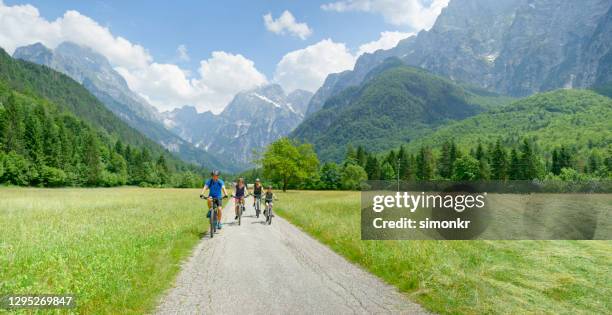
x=278 y=269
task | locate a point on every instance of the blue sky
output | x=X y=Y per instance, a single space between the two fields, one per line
x=141 y=39
x=233 y=26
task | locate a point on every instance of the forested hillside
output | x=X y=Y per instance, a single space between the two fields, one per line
x=565 y=134
x=97 y=75
x=396 y=104
x=54 y=133
x=581 y=119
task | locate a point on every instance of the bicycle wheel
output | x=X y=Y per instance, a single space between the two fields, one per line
x=240 y=215
x=213 y=221
x=270 y=216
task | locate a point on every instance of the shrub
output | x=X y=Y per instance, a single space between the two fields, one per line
x=352 y=176
x=53 y=177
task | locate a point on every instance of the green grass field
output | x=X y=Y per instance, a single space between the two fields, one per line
x=115 y=249
x=472 y=277
x=120 y=248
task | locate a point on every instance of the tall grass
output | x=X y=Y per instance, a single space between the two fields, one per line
x=115 y=249
x=472 y=277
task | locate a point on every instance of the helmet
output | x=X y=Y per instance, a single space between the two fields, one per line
x=257 y=180
x=270 y=187
x=215 y=173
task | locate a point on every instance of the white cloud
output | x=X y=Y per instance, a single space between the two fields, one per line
x=22 y=25
x=182 y=54
x=165 y=86
x=307 y=68
x=219 y=78
x=414 y=13
x=386 y=41
x=286 y=24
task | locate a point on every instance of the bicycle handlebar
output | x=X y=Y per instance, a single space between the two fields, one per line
x=206 y=197
x=233 y=196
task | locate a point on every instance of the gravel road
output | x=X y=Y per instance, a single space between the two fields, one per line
x=274 y=269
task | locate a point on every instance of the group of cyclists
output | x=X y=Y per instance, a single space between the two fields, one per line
x=216 y=193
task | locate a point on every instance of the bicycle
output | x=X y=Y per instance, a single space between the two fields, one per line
x=241 y=209
x=257 y=205
x=212 y=214
x=268 y=213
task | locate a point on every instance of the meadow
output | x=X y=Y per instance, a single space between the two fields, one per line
x=468 y=277
x=115 y=249
x=120 y=248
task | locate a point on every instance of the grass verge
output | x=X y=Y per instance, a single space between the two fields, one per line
x=470 y=277
x=116 y=249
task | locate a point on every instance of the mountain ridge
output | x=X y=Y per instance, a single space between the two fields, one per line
x=394 y=105
x=508 y=46
x=96 y=74
x=251 y=121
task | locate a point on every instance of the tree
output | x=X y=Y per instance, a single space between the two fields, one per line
x=555 y=167
x=53 y=177
x=91 y=158
x=405 y=165
x=17 y=169
x=372 y=168
x=499 y=162
x=2 y=158
x=479 y=153
x=118 y=166
x=392 y=160
x=594 y=163
x=288 y=162
x=352 y=176
x=515 y=172
x=387 y=172
x=529 y=161
x=425 y=165
x=467 y=168
x=33 y=139
x=484 y=170
x=351 y=156
x=162 y=169
x=13 y=126
x=142 y=167
x=119 y=147
x=560 y=159
x=448 y=156
x=362 y=156
x=608 y=162
x=331 y=176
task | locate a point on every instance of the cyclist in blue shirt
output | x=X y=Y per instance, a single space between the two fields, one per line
x=217 y=192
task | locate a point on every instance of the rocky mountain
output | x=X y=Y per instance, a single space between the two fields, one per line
x=96 y=74
x=394 y=105
x=250 y=121
x=514 y=47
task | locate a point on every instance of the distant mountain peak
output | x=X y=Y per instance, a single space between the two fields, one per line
x=37 y=53
x=252 y=120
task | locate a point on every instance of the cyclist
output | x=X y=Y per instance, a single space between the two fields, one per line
x=240 y=192
x=215 y=186
x=269 y=198
x=257 y=191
